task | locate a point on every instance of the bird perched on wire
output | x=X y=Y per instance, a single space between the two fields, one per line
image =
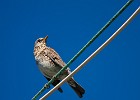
x=49 y=63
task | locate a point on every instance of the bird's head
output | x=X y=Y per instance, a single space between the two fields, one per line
x=39 y=45
x=41 y=41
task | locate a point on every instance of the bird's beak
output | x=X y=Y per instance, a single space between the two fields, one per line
x=45 y=38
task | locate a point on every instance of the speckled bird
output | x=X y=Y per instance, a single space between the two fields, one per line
x=49 y=63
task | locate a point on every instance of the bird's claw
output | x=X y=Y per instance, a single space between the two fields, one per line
x=47 y=86
x=54 y=77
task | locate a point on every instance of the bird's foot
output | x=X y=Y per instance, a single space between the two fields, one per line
x=47 y=86
x=54 y=77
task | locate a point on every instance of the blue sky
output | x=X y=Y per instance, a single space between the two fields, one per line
x=112 y=75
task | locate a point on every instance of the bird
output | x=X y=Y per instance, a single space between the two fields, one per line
x=49 y=63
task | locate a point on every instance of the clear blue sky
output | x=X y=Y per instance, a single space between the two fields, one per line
x=114 y=74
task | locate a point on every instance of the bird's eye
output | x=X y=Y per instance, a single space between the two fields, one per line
x=39 y=40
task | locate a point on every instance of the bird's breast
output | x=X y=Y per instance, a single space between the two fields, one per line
x=48 y=68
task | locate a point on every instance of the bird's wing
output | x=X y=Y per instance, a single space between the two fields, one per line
x=54 y=56
x=55 y=83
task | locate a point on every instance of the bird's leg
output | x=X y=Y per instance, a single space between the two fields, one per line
x=54 y=77
x=47 y=86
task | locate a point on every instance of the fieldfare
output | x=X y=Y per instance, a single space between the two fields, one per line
x=49 y=63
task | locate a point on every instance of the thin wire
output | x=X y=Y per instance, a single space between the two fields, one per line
x=93 y=54
x=82 y=50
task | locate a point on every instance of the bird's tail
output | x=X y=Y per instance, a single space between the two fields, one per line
x=76 y=87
